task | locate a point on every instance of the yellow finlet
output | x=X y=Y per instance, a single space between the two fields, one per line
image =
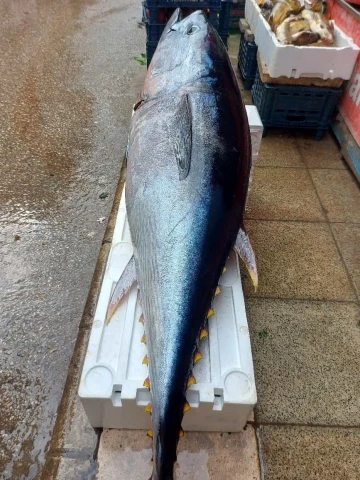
x=191 y=381
x=149 y=433
x=142 y=319
x=210 y=313
x=186 y=407
x=181 y=432
x=217 y=291
x=147 y=383
x=143 y=339
x=145 y=360
x=224 y=270
x=254 y=278
x=148 y=408
x=203 y=333
x=197 y=357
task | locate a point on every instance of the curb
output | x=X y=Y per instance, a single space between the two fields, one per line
x=75 y=449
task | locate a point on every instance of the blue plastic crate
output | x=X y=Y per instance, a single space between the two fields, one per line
x=247 y=61
x=295 y=106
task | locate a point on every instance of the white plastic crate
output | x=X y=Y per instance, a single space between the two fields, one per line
x=111 y=385
x=256 y=130
x=293 y=61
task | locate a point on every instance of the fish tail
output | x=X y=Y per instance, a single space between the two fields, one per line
x=167 y=431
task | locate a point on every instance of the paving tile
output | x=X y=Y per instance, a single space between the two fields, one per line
x=319 y=154
x=348 y=240
x=78 y=433
x=306 y=359
x=296 y=260
x=283 y=194
x=305 y=453
x=70 y=466
x=76 y=468
x=233 y=44
x=278 y=149
x=339 y=193
x=125 y=454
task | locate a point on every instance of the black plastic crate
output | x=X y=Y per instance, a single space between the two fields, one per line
x=225 y=39
x=154 y=29
x=150 y=50
x=160 y=16
x=247 y=81
x=247 y=61
x=237 y=11
x=224 y=20
x=230 y=15
x=295 y=106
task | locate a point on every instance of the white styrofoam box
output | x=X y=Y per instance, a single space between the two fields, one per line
x=256 y=130
x=294 y=62
x=111 y=386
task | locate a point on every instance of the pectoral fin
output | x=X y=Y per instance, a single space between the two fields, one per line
x=245 y=251
x=125 y=282
x=181 y=139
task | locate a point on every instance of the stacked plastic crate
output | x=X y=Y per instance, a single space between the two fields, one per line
x=247 y=62
x=282 y=104
x=237 y=11
x=283 y=88
x=156 y=14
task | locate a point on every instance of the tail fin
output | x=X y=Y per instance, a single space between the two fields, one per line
x=167 y=431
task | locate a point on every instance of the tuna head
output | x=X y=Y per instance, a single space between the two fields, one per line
x=187 y=53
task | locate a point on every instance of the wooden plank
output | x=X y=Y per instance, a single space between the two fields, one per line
x=249 y=36
x=243 y=25
x=304 y=81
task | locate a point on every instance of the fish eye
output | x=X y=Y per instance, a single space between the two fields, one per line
x=192 y=29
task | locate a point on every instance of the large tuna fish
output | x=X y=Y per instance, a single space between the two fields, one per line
x=189 y=161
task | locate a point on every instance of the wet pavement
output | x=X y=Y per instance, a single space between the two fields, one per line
x=68 y=83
